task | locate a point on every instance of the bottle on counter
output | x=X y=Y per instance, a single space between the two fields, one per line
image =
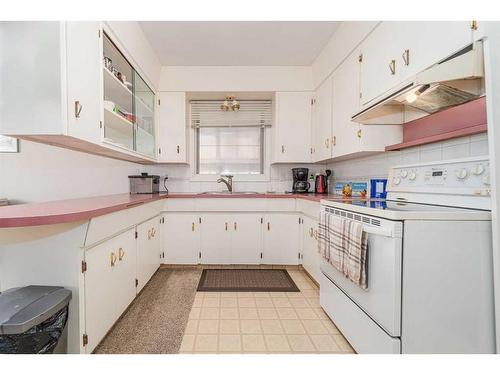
x=311 y=182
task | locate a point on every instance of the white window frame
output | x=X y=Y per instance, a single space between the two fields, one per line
x=264 y=177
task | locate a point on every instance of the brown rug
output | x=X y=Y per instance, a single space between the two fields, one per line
x=156 y=319
x=246 y=280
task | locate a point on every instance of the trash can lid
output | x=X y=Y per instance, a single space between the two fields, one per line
x=24 y=308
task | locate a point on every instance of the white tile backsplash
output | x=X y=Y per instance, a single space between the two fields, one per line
x=280 y=178
x=377 y=166
x=359 y=169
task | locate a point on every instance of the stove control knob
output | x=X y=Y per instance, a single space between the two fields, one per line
x=404 y=173
x=478 y=169
x=412 y=176
x=486 y=179
x=396 y=180
x=462 y=173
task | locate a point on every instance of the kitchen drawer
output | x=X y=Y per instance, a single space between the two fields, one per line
x=231 y=204
x=309 y=208
x=281 y=205
x=364 y=335
x=180 y=204
x=105 y=226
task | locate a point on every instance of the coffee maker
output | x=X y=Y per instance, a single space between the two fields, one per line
x=300 y=183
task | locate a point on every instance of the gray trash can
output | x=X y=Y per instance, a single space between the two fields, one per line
x=33 y=320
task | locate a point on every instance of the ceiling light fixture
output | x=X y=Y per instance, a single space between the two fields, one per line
x=230 y=103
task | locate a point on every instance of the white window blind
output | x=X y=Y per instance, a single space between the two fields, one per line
x=230 y=142
x=252 y=113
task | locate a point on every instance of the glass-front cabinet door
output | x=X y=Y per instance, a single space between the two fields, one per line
x=128 y=104
x=145 y=120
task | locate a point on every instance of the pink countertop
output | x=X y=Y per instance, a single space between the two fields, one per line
x=71 y=210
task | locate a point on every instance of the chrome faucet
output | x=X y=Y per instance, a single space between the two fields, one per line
x=228 y=182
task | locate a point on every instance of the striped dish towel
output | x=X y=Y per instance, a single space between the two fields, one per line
x=323 y=235
x=345 y=246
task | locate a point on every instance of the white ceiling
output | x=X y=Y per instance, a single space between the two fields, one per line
x=187 y=43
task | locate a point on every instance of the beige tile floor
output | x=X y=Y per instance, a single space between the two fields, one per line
x=251 y=322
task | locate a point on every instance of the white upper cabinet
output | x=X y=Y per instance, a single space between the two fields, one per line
x=345 y=103
x=322 y=122
x=380 y=64
x=53 y=90
x=395 y=51
x=428 y=42
x=292 y=128
x=172 y=128
x=353 y=139
x=83 y=56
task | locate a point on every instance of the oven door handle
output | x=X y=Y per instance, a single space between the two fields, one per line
x=386 y=232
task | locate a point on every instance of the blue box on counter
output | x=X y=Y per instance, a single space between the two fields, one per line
x=378 y=188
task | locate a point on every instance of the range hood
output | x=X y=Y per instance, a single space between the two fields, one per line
x=452 y=81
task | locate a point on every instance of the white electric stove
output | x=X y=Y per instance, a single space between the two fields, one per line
x=430 y=273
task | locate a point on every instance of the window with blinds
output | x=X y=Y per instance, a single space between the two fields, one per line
x=230 y=142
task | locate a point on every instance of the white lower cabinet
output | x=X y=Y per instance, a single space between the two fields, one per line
x=116 y=270
x=109 y=284
x=181 y=238
x=310 y=255
x=246 y=239
x=280 y=239
x=148 y=251
x=216 y=239
x=230 y=239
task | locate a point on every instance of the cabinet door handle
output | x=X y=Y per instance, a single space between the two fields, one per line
x=268 y=226
x=226 y=226
x=192 y=227
x=327 y=143
x=178 y=149
x=153 y=232
x=334 y=140
x=235 y=226
x=78 y=109
x=310 y=232
x=112 y=259
x=282 y=149
x=121 y=253
x=406 y=57
x=316 y=234
x=392 y=67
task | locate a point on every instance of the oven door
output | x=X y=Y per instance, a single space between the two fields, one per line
x=381 y=301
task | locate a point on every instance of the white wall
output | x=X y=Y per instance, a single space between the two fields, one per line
x=45 y=173
x=345 y=39
x=236 y=78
